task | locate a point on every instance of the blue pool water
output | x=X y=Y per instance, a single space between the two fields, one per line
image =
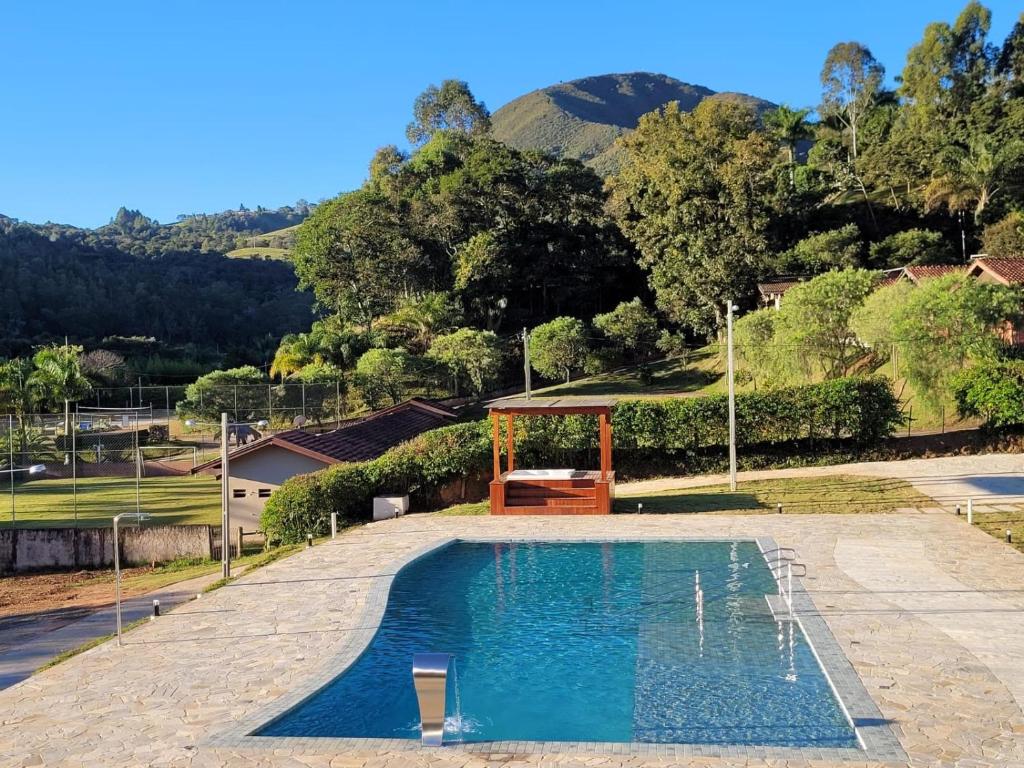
x=603 y=642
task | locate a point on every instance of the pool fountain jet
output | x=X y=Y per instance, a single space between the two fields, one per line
x=430 y=677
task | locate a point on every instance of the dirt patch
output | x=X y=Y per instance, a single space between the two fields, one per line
x=39 y=592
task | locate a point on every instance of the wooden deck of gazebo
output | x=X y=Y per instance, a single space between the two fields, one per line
x=551 y=491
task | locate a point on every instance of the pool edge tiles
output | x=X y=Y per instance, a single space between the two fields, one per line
x=876 y=736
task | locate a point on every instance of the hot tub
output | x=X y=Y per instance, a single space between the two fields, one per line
x=541 y=474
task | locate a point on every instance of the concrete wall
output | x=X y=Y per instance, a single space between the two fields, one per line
x=30 y=549
x=263 y=470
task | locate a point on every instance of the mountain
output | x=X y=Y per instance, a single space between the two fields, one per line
x=582 y=118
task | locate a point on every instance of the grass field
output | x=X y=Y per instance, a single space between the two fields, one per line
x=835 y=494
x=170 y=500
x=258 y=253
x=670 y=378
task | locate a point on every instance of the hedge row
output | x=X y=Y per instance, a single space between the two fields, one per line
x=861 y=411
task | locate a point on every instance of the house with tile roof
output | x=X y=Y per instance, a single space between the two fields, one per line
x=260 y=467
x=987 y=269
x=773 y=290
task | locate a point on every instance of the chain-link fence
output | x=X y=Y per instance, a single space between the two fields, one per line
x=103 y=463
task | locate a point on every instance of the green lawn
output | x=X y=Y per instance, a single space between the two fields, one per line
x=834 y=494
x=171 y=500
x=258 y=253
x=669 y=378
x=996 y=524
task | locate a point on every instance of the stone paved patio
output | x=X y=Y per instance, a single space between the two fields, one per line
x=929 y=612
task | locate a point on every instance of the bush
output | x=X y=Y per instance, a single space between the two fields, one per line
x=992 y=390
x=861 y=411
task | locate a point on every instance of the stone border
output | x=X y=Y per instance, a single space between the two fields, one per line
x=877 y=738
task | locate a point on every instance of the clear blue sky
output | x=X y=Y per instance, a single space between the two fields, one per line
x=188 y=106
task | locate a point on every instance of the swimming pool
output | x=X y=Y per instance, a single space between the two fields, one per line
x=595 y=642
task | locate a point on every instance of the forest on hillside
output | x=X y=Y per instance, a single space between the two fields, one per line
x=449 y=249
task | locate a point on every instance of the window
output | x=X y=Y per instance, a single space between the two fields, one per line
x=238 y=493
x=264 y=493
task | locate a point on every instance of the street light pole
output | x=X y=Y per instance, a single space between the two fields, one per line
x=139 y=517
x=225 y=500
x=526 y=361
x=730 y=308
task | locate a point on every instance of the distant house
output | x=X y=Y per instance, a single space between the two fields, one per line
x=258 y=468
x=774 y=289
x=986 y=269
x=915 y=273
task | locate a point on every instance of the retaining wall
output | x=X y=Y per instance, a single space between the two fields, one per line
x=31 y=549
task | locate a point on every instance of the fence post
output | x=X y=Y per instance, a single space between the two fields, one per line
x=167 y=403
x=970 y=511
x=334 y=525
x=10 y=440
x=910 y=419
x=303 y=399
x=270 y=406
x=238 y=545
x=236 y=404
x=337 y=402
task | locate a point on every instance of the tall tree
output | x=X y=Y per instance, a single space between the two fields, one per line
x=696 y=197
x=851 y=81
x=452 y=107
x=789 y=127
x=58 y=375
x=559 y=347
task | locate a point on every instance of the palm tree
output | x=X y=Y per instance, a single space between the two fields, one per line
x=975 y=175
x=789 y=127
x=295 y=351
x=58 y=374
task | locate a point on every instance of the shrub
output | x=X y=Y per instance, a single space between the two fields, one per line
x=992 y=390
x=857 y=409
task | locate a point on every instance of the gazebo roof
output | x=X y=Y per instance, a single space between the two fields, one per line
x=539 y=406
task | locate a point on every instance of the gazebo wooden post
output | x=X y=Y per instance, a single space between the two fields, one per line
x=604 y=421
x=496 y=432
x=510 y=442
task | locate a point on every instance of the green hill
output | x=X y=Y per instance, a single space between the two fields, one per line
x=583 y=118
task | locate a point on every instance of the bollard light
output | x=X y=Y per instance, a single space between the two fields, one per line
x=639 y=508
x=958 y=510
x=309 y=540
x=778 y=507
x=156 y=608
x=1009 y=536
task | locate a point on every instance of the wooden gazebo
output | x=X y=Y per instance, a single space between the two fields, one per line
x=551 y=491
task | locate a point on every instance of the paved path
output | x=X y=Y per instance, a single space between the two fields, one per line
x=25 y=648
x=989 y=478
x=928 y=611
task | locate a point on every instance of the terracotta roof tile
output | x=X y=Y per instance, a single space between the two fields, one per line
x=919 y=272
x=359 y=439
x=1009 y=270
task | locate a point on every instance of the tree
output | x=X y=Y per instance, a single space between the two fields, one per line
x=872 y=322
x=851 y=80
x=1010 y=62
x=380 y=377
x=947 y=322
x=559 y=347
x=756 y=351
x=471 y=356
x=295 y=351
x=789 y=127
x=993 y=390
x=103 y=367
x=631 y=328
x=58 y=375
x=419 y=319
x=820 y=251
x=1005 y=238
x=452 y=107
x=696 y=197
x=239 y=392
x=814 y=322
x=971 y=177
x=912 y=246
x=18 y=391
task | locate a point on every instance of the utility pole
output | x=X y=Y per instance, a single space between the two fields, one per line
x=526 y=360
x=730 y=308
x=225 y=500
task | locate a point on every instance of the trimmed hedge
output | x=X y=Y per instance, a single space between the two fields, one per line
x=861 y=411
